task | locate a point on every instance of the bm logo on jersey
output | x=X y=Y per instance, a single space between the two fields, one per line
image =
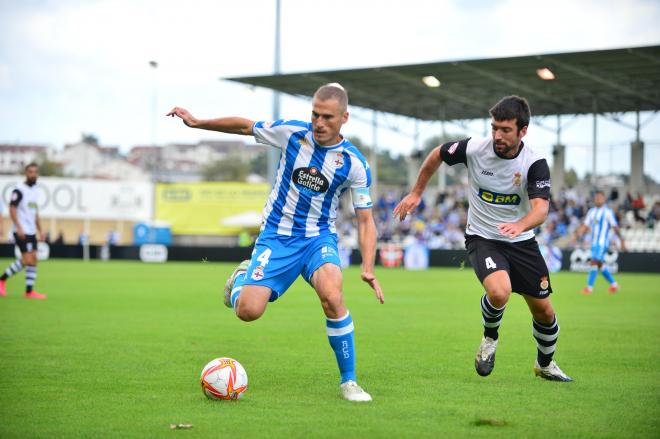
x=495 y=198
x=310 y=179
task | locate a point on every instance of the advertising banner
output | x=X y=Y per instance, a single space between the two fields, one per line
x=215 y=208
x=68 y=198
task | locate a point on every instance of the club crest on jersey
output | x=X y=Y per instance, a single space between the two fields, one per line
x=310 y=179
x=339 y=160
x=258 y=273
x=495 y=198
x=544 y=283
x=517 y=179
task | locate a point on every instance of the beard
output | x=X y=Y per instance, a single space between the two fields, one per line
x=31 y=181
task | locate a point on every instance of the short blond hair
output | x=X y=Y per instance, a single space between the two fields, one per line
x=334 y=91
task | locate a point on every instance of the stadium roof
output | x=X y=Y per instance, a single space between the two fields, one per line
x=602 y=81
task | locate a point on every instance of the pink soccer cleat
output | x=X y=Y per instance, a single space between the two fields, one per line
x=3 y=288
x=586 y=291
x=35 y=295
x=613 y=288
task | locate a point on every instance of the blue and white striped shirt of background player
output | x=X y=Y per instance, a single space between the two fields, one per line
x=310 y=179
x=601 y=221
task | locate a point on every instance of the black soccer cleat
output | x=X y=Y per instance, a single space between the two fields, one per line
x=485 y=360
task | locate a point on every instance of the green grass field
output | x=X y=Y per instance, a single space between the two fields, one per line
x=117 y=349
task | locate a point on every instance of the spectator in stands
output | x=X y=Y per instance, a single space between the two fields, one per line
x=637 y=205
x=654 y=215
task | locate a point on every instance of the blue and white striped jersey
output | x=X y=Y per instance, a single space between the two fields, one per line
x=600 y=220
x=310 y=179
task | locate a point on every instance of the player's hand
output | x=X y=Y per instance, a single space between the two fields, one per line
x=20 y=234
x=407 y=206
x=623 y=247
x=510 y=230
x=370 y=278
x=182 y=113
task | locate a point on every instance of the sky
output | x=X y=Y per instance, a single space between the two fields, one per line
x=70 y=66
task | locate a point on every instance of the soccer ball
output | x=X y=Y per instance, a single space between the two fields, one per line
x=224 y=379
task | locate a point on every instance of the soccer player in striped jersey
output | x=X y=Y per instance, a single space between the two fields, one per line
x=298 y=236
x=509 y=192
x=26 y=225
x=602 y=222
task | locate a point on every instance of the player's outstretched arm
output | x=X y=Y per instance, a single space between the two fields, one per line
x=534 y=218
x=410 y=202
x=367 y=237
x=231 y=125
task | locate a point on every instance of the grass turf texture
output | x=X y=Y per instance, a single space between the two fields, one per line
x=117 y=349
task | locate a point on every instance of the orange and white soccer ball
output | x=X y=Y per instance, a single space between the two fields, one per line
x=224 y=379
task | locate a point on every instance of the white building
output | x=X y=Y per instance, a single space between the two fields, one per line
x=13 y=158
x=92 y=161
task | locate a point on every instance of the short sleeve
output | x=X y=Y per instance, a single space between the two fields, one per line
x=360 y=177
x=16 y=197
x=454 y=152
x=277 y=133
x=612 y=218
x=538 y=180
x=588 y=217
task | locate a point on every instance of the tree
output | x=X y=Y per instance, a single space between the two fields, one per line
x=231 y=168
x=259 y=165
x=571 y=178
x=47 y=168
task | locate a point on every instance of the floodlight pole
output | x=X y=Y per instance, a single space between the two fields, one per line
x=595 y=144
x=374 y=157
x=273 y=154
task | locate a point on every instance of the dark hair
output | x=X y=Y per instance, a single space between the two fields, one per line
x=31 y=165
x=512 y=107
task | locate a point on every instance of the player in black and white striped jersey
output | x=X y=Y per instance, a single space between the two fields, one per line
x=24 y=216
x=509 y=192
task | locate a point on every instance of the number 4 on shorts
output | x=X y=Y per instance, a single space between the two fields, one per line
x=490 y=263
x=263 y=257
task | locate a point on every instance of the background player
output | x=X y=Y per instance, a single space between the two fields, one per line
x=602 y=221
x=317 y=165
x=508 y=197
x=26 y=224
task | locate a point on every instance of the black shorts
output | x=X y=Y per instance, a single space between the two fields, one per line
x=27 y=245
x=522 y=260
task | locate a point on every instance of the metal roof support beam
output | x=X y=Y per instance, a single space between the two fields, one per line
x=594 y=77
x=439 y=91
x=501 y=80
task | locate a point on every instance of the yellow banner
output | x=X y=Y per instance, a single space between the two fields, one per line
x=211 y=208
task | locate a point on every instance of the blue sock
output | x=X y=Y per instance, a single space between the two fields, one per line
x=592 y=277
x=238 y=284
x=608 y=275
x=340 y=336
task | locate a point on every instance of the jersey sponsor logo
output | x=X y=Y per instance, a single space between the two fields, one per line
x=452 y=149
x=310 y=179
x=517 y=179
x=540 y=184
x=495 y=198
x=488 y=173
x=32 y=205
